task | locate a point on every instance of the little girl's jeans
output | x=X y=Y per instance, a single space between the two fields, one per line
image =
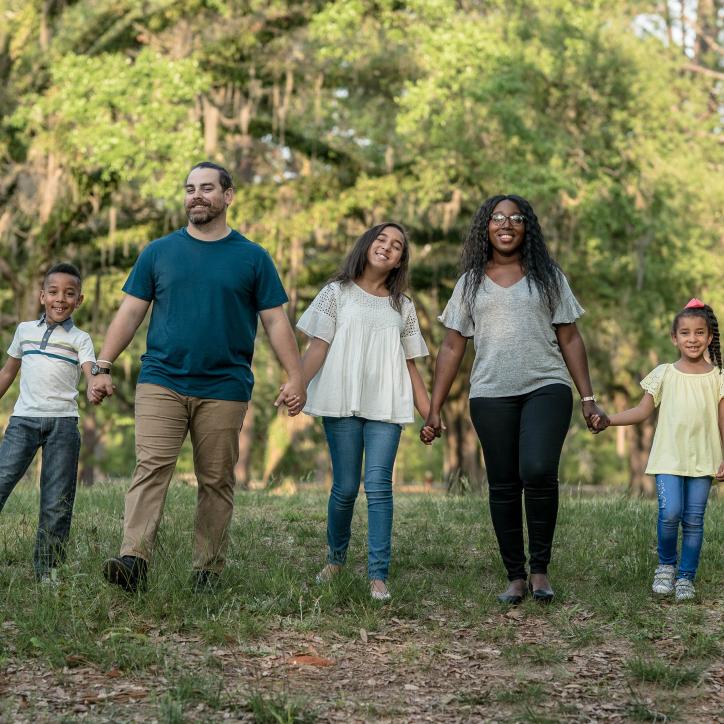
x=349 y=438
x=681 y=500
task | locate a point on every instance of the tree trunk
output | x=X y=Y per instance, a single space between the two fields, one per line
x=243 y=464
x=641 y=437
x=89 y=440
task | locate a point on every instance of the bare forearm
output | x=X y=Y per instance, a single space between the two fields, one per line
x=8 y=374
x=123 y=327
x=419 y=392
x=118 y=337
x=637 y=414
x=633 y=416
x=446 y=368
x=574 y=355
x=86 y=367
x=284 y=344
x=313 y=359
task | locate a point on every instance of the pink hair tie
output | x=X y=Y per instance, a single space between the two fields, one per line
x=695 y=304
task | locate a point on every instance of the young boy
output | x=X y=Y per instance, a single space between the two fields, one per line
x=50 y=354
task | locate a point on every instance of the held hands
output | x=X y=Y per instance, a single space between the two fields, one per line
x=293 y=395
x=101 y=388
x=596 y=419
x=432 y=428
x=720 y=472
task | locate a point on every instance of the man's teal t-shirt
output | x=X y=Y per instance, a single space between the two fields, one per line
x=206 y=297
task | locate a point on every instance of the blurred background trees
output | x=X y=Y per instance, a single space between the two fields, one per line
x=333 y=116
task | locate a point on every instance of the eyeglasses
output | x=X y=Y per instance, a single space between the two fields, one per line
x=500 y=219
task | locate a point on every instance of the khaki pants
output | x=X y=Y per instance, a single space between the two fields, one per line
x=163 y=418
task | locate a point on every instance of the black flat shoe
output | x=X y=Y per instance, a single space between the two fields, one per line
x=542 y=595
x=512 y=599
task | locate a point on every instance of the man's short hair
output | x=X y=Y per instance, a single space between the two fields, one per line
x=224 y=176
x=63 y=268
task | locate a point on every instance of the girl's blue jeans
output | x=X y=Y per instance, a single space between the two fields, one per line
x=349 y=439
x=681 y=500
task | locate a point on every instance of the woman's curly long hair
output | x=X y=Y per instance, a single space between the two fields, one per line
x=355 y=263
x=538 y=265
x=712 y=323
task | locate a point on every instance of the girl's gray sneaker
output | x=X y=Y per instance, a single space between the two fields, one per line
x=684 y=589
x=663 y=583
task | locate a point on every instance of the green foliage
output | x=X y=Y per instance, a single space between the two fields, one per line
x=334 y=115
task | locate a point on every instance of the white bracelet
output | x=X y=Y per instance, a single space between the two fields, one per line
x=588 y=398
x=110 y=364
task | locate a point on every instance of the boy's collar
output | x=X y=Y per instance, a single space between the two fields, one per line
x=66 y=324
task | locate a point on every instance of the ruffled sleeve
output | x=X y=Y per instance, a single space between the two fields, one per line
x=653 y=383
x=320 y=318
x=456 y=314
x=568 y=309
x=411 y=337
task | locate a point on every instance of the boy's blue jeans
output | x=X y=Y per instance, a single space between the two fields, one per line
x=348 y=439
x=60 y=440
x=681 y=500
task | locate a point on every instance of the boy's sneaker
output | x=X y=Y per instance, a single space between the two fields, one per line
x=684 y=589
x=127 y=572
x=663 y=580
x=50 y=579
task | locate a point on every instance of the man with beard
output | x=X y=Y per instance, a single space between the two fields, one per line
x=207 y=283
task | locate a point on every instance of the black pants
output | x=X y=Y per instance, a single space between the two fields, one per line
x=522 y=437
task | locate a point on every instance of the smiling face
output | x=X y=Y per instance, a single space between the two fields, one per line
x=60 y=296
x=692 y=337
x=506 y=236
x=386 y=250
x=205 y=199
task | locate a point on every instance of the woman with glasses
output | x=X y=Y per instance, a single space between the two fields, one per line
x=514 y=301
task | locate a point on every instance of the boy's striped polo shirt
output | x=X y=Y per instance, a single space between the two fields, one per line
x=51 y=358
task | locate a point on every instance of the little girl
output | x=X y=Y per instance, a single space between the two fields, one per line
x=362 y=381
x=687 y=448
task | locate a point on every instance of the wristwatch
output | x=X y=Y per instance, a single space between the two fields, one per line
x=588 y=398
x=96 y=370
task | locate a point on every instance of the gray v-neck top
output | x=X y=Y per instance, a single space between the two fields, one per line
x=516 y=349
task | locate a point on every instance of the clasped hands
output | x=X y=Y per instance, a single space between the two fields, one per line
x=596 y=421
x=293 y=395
x=101 y=388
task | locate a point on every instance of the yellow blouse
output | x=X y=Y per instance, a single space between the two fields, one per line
x=687 y=440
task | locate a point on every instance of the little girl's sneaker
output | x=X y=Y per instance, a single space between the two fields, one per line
x=684 y=589
x=378 y=590
x=663 y=580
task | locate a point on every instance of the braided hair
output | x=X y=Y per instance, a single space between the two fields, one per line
x=707 y=314
x=535 y=259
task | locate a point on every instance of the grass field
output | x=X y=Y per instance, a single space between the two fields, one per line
x=271 y=646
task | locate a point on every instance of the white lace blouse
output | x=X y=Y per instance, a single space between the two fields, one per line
x=365 y=372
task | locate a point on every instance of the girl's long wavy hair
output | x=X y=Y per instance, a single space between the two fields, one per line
x=712 y=323
x=538 y=265
x=355 y=263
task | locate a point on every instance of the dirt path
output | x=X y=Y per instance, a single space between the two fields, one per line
x=409 y=672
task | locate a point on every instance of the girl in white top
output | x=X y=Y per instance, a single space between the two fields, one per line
x=688 y=448
x=363 y=383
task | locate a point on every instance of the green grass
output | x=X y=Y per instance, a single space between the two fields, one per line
x=444 y=577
